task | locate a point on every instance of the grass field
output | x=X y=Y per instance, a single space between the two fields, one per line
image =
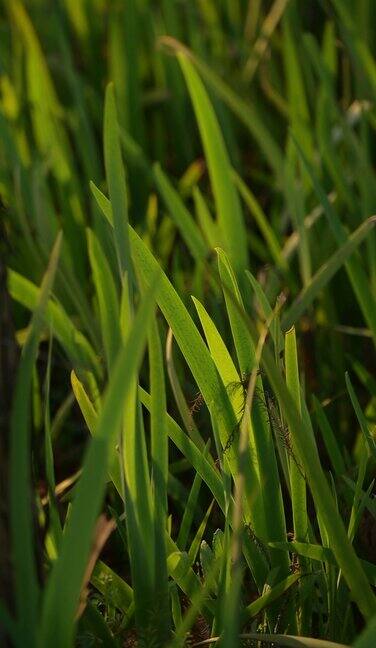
x=188 y=323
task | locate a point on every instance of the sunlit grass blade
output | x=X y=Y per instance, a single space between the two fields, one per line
x=297 y=478
x=243 y=110
x=72 y=340
x=220 y=354
x=298 y=486
x=116 y=590
x=260 y=434
x=228 y=208
x=187 y=336
x=91 y=419
x=266 y=31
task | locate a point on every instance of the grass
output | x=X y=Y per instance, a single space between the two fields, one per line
x=188 y=198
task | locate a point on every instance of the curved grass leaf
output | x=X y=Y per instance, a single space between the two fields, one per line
x=72 y=340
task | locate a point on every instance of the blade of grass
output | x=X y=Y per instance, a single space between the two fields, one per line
x=181 y=216
x=298 y=486
x=72 y=340
x=326 y=272
x=324 y=554
x=369 y=439
x=244 y=111
x=159 y=465
x=262 y=223
x=108 y=302
x=354 y=269
x=330 y=440
x=228 y=208
x=297 y=479
x=116 y=182
x=270 y=495
x=21 y=507
x=64 y=584
x=322 y=495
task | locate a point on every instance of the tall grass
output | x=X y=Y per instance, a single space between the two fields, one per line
x=188 y=197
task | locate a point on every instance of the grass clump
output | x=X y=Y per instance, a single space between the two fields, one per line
x=188 y=280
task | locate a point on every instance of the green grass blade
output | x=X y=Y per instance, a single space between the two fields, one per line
x=187 y=336
x=189 y=511
x=196 y=542
x=72 y=340
x=108 y=302
x=63 y=588
x=208 y=226
x=116 y=591
x=21 y=520
x=330 y=440
x=195 y=456
x=265 y=228
x=180 y=570
x=324 y=554
x=354 y=269
x=326 y=272
x=297 y=479
x=368 y=437
x=269 y=495
x=302 y=437
x=298 y=486
x=159 y=465
x=91 y=420
x=181 y=216
x=272 y=595
x=116 y=182
x=245 y=112
x=228 y=208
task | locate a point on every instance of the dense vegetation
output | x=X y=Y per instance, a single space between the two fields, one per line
x=188 y=323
